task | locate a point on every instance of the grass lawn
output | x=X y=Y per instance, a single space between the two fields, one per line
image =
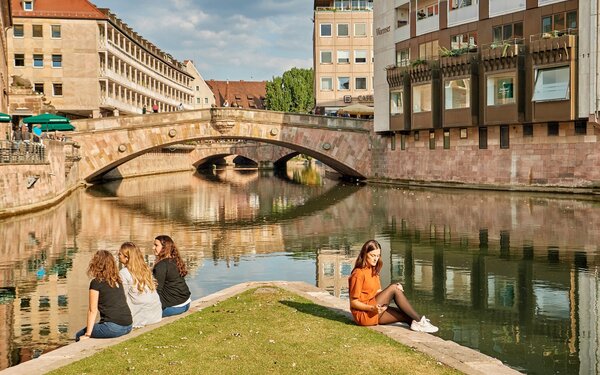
x=261 y=331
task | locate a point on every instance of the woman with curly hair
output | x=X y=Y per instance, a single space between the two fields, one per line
x=370 y=305
x=139 y=285
x=169 y=271
x=107 y=296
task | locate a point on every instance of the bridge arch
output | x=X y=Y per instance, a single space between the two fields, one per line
x=341 y=143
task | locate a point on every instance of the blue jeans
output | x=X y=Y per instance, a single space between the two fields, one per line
x=170 y=311
x=105 y=330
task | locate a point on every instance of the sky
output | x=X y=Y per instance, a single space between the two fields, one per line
x=226 y=39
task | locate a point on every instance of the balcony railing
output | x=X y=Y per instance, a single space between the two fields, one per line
x=22 y=152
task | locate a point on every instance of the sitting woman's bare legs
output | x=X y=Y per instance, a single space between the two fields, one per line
x=403 y=313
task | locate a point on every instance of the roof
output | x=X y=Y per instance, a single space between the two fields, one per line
x=247 y=94
x=73 y=9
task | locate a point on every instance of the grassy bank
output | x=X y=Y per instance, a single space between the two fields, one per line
x=264 y=330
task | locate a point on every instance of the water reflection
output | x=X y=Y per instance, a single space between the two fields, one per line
x=512 y=275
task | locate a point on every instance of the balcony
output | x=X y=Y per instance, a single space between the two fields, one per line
x=499 y=8
x=462 y=11
x=460 y=79
x=402 y=29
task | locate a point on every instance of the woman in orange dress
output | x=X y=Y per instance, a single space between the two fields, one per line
x=370 y=305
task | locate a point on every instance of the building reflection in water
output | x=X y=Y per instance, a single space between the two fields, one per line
x=512 y=275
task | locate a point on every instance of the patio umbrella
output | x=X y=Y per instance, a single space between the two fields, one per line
x=357 y=109
x=4 y=117
x=50 y=122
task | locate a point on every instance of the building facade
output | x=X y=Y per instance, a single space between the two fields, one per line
x=242 y=94
x=5 y=22
x=203 y=96
x=342 y=54
x=83 y=61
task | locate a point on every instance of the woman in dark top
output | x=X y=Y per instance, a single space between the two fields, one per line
x=169 y=271
x=107 y=296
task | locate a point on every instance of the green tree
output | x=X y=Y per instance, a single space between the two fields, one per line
x=293 y=92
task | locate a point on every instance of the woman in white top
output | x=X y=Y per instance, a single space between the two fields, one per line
x=139 y=285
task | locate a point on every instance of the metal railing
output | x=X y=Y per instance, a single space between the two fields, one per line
x=22 y=152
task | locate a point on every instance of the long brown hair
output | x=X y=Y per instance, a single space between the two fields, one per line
x=361 y=260
x=169 y=250
x=103 y=267
x=139 y=270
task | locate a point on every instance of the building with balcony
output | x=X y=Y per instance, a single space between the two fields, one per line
x=82 y=61
x=343 y=53
x=468 y=75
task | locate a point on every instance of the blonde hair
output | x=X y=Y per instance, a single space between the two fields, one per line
x=104 y=268
x=139 y=270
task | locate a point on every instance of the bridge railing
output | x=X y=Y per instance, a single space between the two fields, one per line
x=22 y=152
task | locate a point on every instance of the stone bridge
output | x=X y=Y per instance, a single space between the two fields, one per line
x=341 y=143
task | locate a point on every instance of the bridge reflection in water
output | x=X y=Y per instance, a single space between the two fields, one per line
x=512 y=275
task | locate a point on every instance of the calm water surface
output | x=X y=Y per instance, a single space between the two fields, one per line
x=512 y=275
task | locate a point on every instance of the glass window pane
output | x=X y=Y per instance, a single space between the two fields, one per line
x=326 y=84
x=457 y=93
x=325 y=29
x=342 y=29
x=360 y=56
x=551 y=84
x=559 y=21
x=572 y=20
x=518 y=30
x=360 y=29
x=500 y=90
x=343 y=57
x=546 y=24
x=497 y=33
x=18 y=31
x=326 y=57
x=422 y=98
x=396 y=102
x=343 y=83
x=360 y=83
x=56 y=31
x=507 y=32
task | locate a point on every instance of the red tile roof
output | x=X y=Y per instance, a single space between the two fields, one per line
x=77 y=9
x=247 y=94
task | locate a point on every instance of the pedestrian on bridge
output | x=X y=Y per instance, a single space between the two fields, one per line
x=370 y=305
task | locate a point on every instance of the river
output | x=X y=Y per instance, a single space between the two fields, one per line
x=512 y=275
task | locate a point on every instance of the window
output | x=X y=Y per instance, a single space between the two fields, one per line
x=393 y=142
x=325 y=29
x=360 y=83
x=464 y=133
x=528 y=130
x=326 y=57
x=551 y=84
x=396 y=106
x=37 y=31
x=507 y=32
x=38 y=87
x=457 y=93
x=360 y=56
x=428 y=11
x=456 y=4
x=57 y=61
x=57 y=89
x=500 y=90
x=343 y=57
x=553 y=128
x=483 y=138
x=28 y=5
x=18 y=31
x=504 y=136
x=360 y=29
x=403 y=57
x=38 y=61
x=446 y=139
x=416 y=135
x=343 y=83
x=342 y=29
x=432 y=139
x=205 y=100
x=428 y=50
x=572 y=20
x=197 y=88
x=580 y=127
x=197 y=100
x=19 y=59
x=559 y=22
x=402 y=141
x=464 y=40
x=326 y=84
x=56 y=33
x=421 y=98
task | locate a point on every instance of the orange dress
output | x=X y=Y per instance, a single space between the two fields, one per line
x=364 y=286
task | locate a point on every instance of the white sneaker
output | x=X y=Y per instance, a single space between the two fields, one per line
x=424 y=325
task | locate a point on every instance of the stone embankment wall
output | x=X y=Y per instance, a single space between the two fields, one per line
x=566 y=162
x=53 y=180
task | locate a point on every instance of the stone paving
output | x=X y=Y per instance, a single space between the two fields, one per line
x=466 y=360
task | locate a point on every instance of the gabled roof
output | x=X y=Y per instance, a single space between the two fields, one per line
x=247 y=94
x=72 y=9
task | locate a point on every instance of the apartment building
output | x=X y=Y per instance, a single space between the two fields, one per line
x=82 y=61
x=517 y=68
x=342 y=54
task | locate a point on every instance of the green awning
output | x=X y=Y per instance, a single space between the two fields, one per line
x=59 y=127
x=5 y=118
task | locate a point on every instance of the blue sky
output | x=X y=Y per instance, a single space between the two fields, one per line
x=226 y=39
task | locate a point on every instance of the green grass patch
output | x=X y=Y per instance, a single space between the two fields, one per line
x=261 y=331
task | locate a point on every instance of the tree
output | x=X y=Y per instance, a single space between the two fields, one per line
x=293 y=92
